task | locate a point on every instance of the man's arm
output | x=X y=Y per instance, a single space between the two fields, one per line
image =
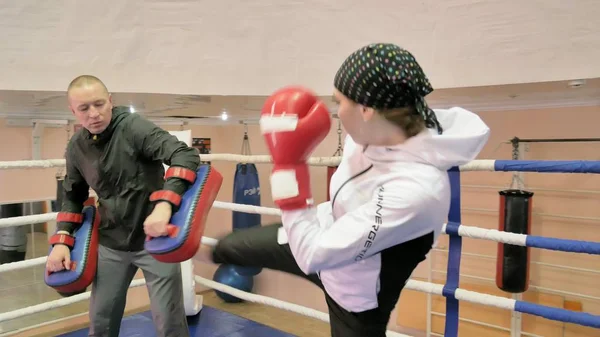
x=389 y=218
x=75 y=192
x=158 y=144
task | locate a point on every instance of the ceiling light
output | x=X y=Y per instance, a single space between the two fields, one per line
x=224 y=115
x=576 y=83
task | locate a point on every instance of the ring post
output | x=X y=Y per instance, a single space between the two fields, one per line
x=454 y=255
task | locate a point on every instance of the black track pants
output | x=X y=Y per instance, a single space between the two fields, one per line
x=258 y=247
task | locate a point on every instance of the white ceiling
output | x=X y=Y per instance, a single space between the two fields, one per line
x=232 y=47
x=52 y=105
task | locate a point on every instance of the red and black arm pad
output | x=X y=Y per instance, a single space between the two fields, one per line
x=68 y=221
x=63 y=236
x=177 y=181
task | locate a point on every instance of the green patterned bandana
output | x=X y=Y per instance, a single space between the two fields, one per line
x=384 y=76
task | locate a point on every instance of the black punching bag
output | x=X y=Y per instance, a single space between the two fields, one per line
x=512 y=265
x=59 y=194
x=13 y=240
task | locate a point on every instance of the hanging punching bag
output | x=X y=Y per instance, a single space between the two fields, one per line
x=13 y=240
x=512 y=264
x=59 y=194
x=246 y=191
x=331 y=169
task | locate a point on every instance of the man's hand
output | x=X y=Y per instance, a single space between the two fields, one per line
x=156 y=223
x=59 y=258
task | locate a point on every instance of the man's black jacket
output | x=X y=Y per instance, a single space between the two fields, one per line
x=123 y=165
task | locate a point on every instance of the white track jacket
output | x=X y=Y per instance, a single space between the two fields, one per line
x=380 y=197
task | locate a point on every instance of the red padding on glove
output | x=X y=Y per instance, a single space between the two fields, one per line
x=63 y=239
x=166 y=195
x=69 y=217
x=181 y=172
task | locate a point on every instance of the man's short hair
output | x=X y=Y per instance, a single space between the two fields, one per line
x=85 y=80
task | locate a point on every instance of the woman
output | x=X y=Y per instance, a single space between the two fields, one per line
x=389 y=196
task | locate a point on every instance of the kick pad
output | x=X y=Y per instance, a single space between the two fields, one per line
x=187 y=224
x=84 y=257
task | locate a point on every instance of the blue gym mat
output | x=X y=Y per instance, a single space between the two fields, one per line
x=210 y=322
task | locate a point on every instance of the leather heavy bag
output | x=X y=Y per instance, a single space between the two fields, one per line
x=187 y=224
x=13 y=240
x=246 y=191
x=84 y=258
x=512 y=265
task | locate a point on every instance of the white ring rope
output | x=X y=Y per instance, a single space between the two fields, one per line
x=42 y=260
x=5 y=316
x=23 y=264
x=491 y=235
x=273 y=302
x=431 y=288
x=476 y=165
x=28 y=164
x=27 y=220
x=465 y=231
x=421 y=286
x=247 y=208
x=260 y=299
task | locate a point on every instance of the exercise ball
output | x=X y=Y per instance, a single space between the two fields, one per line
x=228 y=275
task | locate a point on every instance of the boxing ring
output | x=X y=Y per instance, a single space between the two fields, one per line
x=453 y=228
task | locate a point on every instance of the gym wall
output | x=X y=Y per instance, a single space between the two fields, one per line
x=480 y=207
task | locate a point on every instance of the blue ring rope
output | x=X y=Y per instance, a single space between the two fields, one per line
x=558 y=314
x=563 y=245
x=455 y=247
x=534 y=241
x=548 y=166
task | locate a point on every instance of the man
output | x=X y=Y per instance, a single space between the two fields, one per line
x=120 y=155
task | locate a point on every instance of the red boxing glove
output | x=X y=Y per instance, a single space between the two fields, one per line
x=293 y=121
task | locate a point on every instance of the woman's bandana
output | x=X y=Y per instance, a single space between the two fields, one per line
x=384 y=76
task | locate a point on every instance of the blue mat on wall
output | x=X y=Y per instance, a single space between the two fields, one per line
x=209 y=322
